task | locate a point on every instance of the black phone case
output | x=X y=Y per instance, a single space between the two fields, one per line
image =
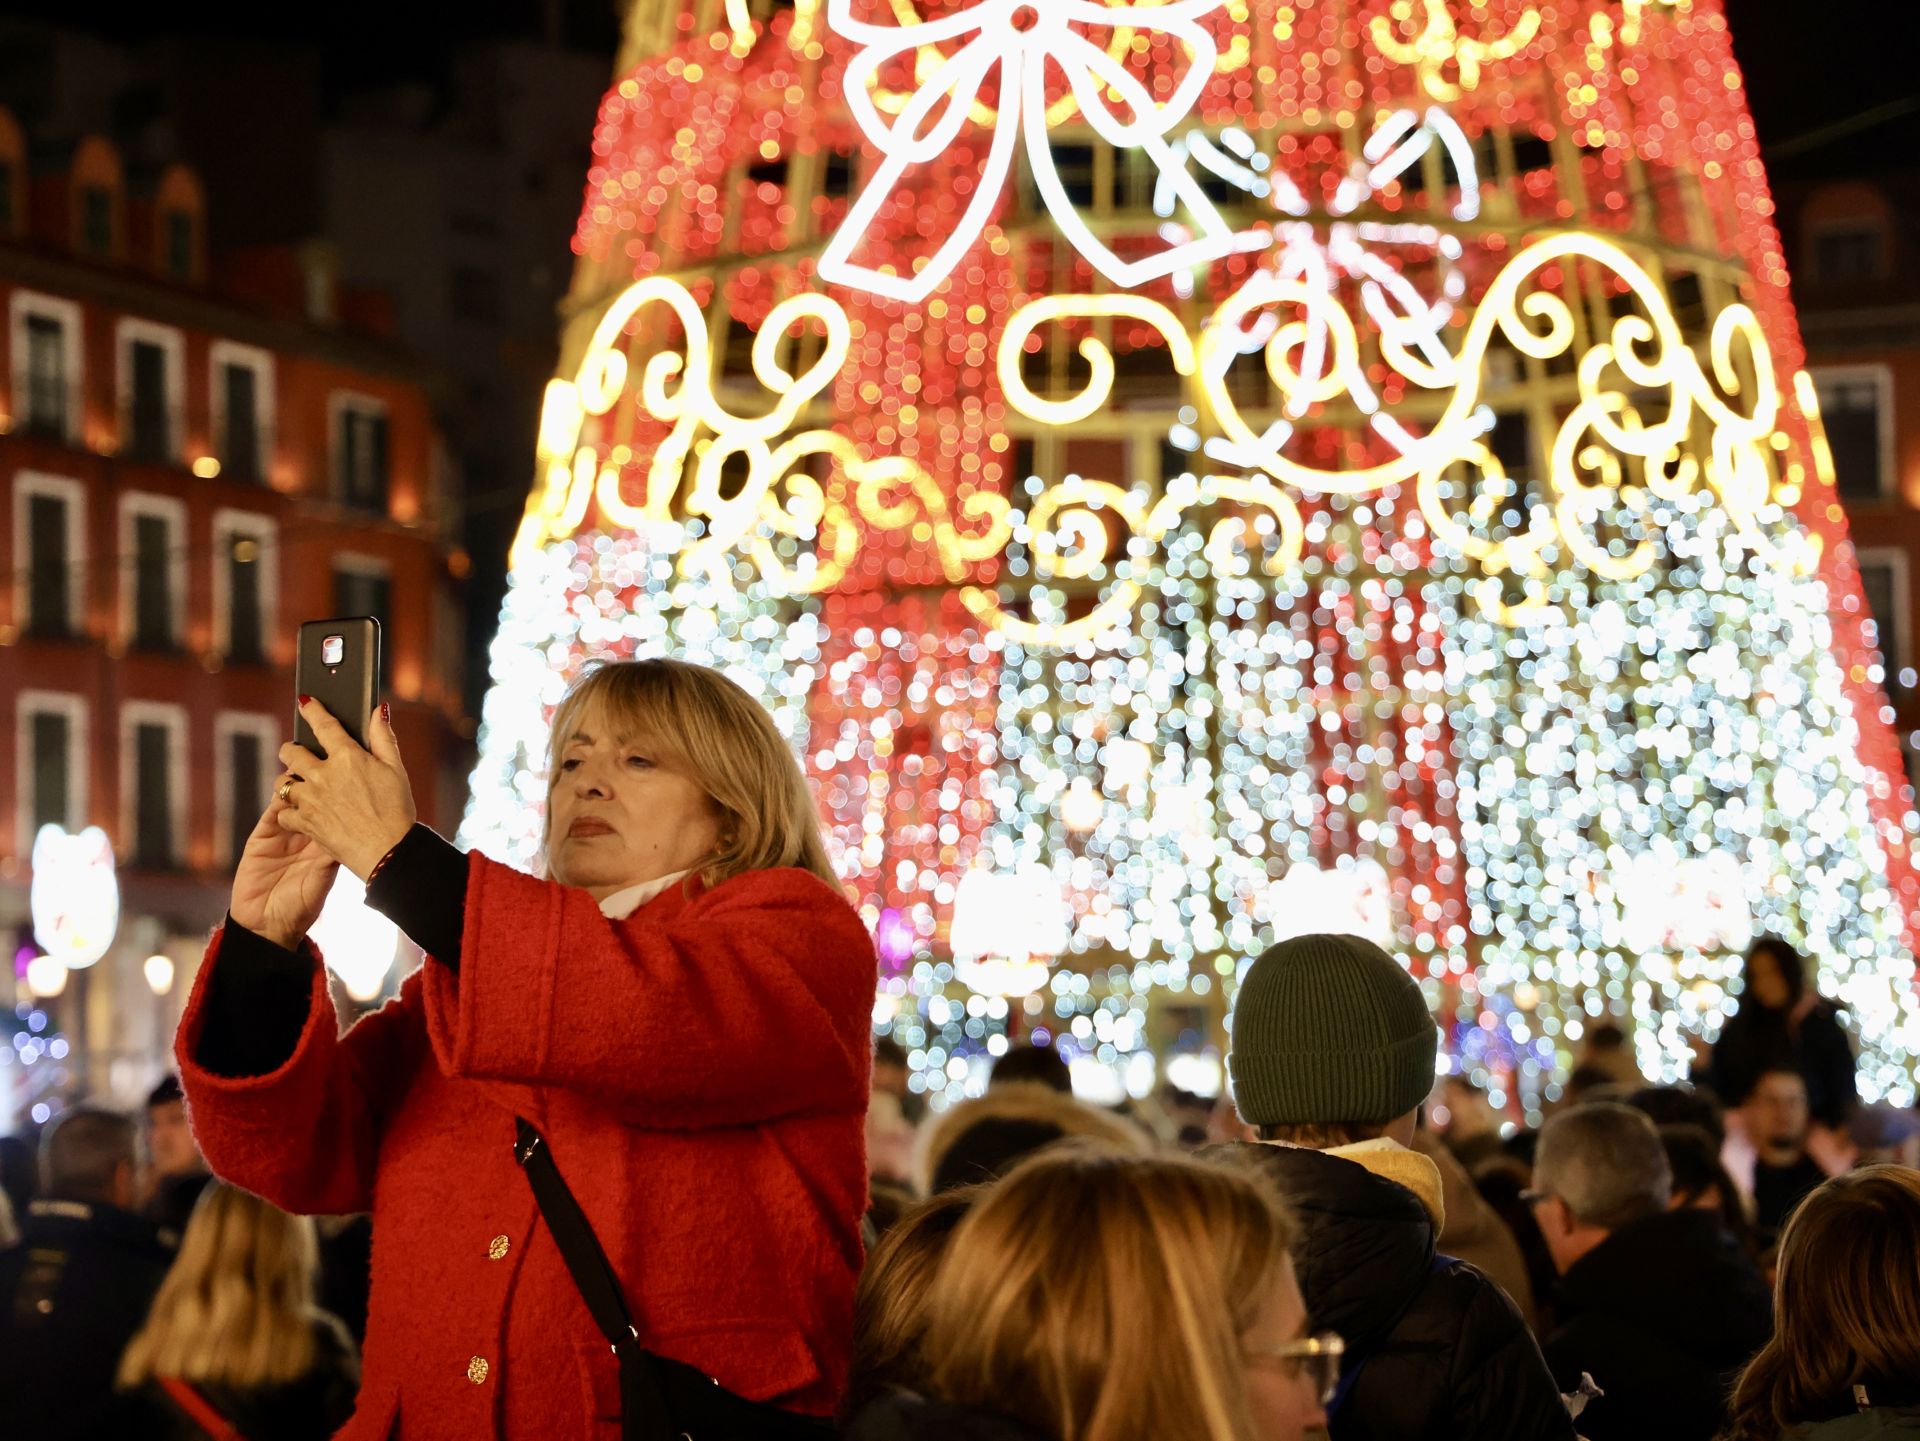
x=348 y=690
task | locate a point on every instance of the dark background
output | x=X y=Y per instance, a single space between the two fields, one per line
x=1808 y=66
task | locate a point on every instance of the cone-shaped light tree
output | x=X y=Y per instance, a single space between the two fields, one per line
x=1184 y=472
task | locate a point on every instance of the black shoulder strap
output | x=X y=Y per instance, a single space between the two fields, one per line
x=643 y=1405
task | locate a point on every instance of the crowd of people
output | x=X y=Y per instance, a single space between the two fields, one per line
x=635 y=1168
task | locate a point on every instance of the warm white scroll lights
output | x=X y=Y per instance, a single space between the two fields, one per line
x=1019 y=43
x=356 y=942
x=1008 y=929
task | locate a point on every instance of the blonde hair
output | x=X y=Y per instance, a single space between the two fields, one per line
x=1107 y=1295
x=890 y=1306
x=236 y=1309
x=722 y=740
x=1846 y=1308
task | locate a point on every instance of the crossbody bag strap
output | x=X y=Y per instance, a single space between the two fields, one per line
x=199 y=1409
x=643 y=1404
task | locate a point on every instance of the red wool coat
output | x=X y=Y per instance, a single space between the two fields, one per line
x=700 y=1070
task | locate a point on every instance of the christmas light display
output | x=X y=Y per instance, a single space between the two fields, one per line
x=1181 y=474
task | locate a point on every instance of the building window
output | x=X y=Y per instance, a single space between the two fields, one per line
x=1856 y=410
x=1845 y=254
x=240 y=433
x=153 y=786
x=1883 y=581
x=360 y=452
x=365 y=587
x=1073 y=166
x=244 y=576
x=147 y=418
x=96 y=220
x=46 y=376
x=150 y=386
x=50 y=734
x=245 y=749
x=836 y=177
x=46 y=364
x=153 y=551
x=179 y=244
x=48 y=543
x=242 y=409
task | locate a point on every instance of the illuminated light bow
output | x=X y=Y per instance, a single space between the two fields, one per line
x=1018 y=40
x=1324 y=358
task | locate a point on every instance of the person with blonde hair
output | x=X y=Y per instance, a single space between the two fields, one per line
x=1844 y=1361
x=1100 y=1296
x=234 y=1343
x=611 y=1133
x=890 y=1307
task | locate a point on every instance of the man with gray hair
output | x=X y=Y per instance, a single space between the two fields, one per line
x=1660 y=1306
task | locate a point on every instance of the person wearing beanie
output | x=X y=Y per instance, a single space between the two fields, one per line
x=1332 y=1054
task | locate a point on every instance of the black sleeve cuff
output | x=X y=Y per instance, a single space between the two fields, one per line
x=257 y=1001
x=423 y=890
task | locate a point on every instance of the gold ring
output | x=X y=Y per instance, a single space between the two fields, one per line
x=286 y=791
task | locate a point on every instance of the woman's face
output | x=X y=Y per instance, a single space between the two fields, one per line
x=1766 y=983
x=1282 y=1393
x=618 y=815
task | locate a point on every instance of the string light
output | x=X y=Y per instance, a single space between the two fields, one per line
x=1304 y=468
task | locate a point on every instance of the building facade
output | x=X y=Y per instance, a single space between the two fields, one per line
x=1856 y=276
x=190 y=470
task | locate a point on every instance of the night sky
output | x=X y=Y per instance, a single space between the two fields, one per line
x=1809 y=66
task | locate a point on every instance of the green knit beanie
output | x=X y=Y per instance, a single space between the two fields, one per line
x=1329 y=1029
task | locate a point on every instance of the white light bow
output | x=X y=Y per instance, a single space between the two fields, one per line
x=1019 y=39
x=1412 y=326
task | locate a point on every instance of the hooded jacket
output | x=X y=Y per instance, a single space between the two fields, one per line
x=1441 y=1351
x=1473 y=1230
x=1662 y=1314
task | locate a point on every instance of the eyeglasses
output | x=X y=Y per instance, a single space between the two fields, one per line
x=1316 y=1357
x=1534 y=1198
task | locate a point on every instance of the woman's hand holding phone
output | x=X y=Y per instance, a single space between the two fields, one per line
x=356 y=805
x=282 y=881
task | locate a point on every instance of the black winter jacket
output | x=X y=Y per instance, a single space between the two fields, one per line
x=903 y=1416
x=71 y=1296
x=1662 y=1314
x=1442 y=1352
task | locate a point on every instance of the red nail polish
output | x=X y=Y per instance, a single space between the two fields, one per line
x=305 y=698
x=386 y=713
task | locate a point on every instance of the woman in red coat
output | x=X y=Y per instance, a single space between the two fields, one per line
x=681 y=1012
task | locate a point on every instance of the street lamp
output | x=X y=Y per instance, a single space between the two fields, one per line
x=46 y=977
x=159 y=971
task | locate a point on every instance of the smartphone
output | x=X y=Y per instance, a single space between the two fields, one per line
x=338 y=664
